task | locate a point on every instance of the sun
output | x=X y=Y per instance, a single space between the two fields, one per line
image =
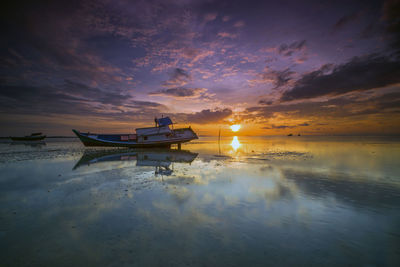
x=235 y=127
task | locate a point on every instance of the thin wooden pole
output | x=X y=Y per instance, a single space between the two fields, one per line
x=219 y=140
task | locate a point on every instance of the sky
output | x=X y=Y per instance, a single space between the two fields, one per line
x=275 y=67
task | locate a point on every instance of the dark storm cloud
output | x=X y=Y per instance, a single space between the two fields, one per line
x=209 y=116
x=29 y=34
x=339 y=107
x=51 y=39
x=23 y=97
x=71 y=98
x=94 y=94
x=359 y=74
x=180 y=92
x=278 y=78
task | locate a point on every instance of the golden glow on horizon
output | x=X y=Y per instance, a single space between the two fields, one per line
x=235 y=143
x=235 y=127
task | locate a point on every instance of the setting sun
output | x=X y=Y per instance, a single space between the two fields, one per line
x=235 y=127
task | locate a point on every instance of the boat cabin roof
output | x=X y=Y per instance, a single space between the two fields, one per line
x=163 y=127
x=164 y=121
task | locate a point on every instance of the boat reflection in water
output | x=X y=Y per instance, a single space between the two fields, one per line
x=159 y=158
x=29 y=143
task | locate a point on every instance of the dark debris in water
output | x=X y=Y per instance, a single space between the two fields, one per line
x=286 y=154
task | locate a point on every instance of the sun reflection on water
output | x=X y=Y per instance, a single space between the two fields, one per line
x=235 y=143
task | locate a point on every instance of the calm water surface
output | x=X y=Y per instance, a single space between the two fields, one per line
x=246 y=202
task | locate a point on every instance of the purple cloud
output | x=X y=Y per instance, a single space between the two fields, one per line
x=359 y=74
x=178 y=77
x=209 y=116
x=180 y=92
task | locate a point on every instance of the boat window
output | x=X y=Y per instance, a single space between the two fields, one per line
x=145 y=138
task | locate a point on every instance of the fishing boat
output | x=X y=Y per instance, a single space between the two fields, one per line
x=32 y=137
x=159 y=136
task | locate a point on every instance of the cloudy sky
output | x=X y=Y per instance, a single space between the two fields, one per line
x=310 y=67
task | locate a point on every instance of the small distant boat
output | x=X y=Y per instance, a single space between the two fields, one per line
x=159 y=136
x=32 y=137
x=290 y=134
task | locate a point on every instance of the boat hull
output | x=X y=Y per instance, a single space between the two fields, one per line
x=29 y=138
x=89 y=141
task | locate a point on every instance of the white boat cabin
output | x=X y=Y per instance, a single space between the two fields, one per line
x=153 y=133
x=162 y=132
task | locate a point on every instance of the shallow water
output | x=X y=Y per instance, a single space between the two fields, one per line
x=246 y=202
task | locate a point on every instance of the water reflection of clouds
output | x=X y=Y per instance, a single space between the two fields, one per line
x=350 y=191
x=303 y=191
x=321 y=154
